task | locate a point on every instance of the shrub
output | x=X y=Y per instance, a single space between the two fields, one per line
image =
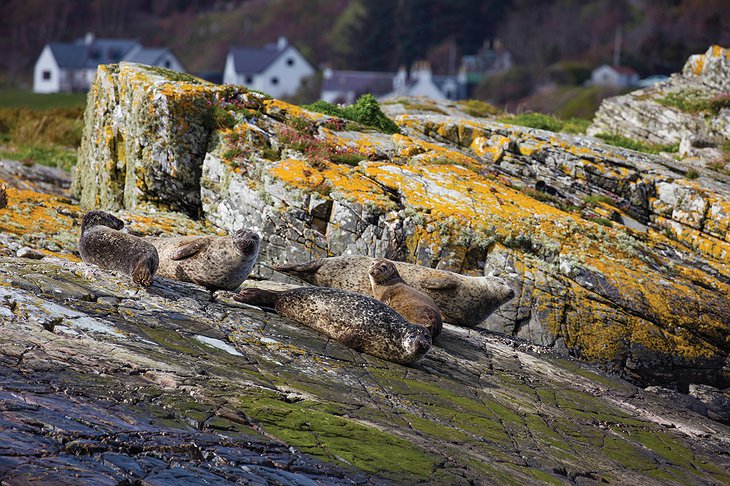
x=692 y=174
x=478 y=108
x=621 y=141
x=365 y=110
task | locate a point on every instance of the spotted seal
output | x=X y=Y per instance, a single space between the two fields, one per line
x=102 y=244
x=389 y=288
x=463 y=300
x=215 y=262
x=355 y=320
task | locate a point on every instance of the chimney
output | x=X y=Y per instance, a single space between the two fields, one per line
x=400 y=79
x=88 y=39
x=281 y=43
x=327 y=71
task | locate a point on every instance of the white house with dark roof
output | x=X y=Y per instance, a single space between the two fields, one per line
x=614 y=76
x=71 y=66
x=276 y=69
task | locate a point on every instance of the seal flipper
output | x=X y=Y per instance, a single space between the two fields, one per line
x=303 y=271
x=439 y=283
x=142 y=273
x=190 y=249
x=258 y=297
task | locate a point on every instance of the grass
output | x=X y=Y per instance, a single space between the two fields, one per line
x=18 y=98
x=547 y=122
x=49 y=137
x=621 y=141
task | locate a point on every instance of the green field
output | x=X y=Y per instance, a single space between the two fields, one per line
x=41 y=128
x=17 y=98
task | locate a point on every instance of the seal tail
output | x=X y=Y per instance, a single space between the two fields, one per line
x=259 y=297
x=303 y=271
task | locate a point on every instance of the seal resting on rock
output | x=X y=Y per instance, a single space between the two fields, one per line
x=215 y=262
x=102 y=244
x=355 y=320
x=463 y=301
x=389 y=288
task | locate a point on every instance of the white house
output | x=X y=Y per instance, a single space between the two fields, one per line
x=614 y=76
x=276 y=69
x=71 y=66
x=347 y=86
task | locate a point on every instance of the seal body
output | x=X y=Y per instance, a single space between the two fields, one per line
x=389 y=288
x=462 y=300
x=355 y=320
x=102 y=244
x=215 y=262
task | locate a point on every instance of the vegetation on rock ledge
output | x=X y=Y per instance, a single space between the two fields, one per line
x=366 y=110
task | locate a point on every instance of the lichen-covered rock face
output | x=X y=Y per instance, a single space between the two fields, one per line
x=691 y=110
x=145 y=137
x=644 y=293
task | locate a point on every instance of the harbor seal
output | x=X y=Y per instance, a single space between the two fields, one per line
x=389 y=288
x=463 y=301
x=215 y=262
x=355 y=320
x=102 y=244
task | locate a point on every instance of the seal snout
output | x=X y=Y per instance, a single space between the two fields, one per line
x=381 y=270
x=247 y=241
x=417 y=342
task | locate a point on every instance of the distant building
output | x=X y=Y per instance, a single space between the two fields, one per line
x=71 y=66
x=614 y=76
x=490 y=60
x=347 y=86
x=276 y=69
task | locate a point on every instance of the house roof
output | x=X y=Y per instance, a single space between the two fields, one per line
x=145 y=55
x=253 y=60
x=377 y=83
x=101 y=51
x=625 y=70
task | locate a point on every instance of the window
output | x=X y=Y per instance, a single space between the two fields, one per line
x=274 y=80
x=46 y=75
x=249 y=80
x=290 y=62
x=168 y=64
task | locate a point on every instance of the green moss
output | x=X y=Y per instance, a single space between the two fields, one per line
x=176 y=76
x=547 y=122
x=621 y=141
x=692 y=174
x=694 y=101
x=478 y=108
x=365 y=110
x=315 y=428
x=50 y=155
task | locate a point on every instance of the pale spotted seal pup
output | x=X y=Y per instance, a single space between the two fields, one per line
x=355 y=320
x=215 y=262
x=463 y=300
x=389 y=288
x=102 y=244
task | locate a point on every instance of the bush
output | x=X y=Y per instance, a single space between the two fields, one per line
x=621 y=141
x=478 y=108
x=366 y=110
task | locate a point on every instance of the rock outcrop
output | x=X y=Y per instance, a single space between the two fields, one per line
x=104 y=382
x=690 y=110
x=645 y=294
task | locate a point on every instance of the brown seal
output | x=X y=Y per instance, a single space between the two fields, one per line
x=102 y=244
x=389 y=288
x=463 y=300
x=355 y=320
x=215 y=262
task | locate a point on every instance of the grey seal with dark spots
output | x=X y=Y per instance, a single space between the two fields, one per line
x=355 y=320
x=389 y=288
x=215 y=262
x=102 y=244
x=463 y=300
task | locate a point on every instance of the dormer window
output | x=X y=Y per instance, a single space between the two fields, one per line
x=290 y=61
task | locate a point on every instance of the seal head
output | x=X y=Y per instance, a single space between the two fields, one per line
x=414 y=305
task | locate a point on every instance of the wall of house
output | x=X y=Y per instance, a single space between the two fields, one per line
x=288 y=76
x=46 y=63
x=229 y=72
x=169 y=61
